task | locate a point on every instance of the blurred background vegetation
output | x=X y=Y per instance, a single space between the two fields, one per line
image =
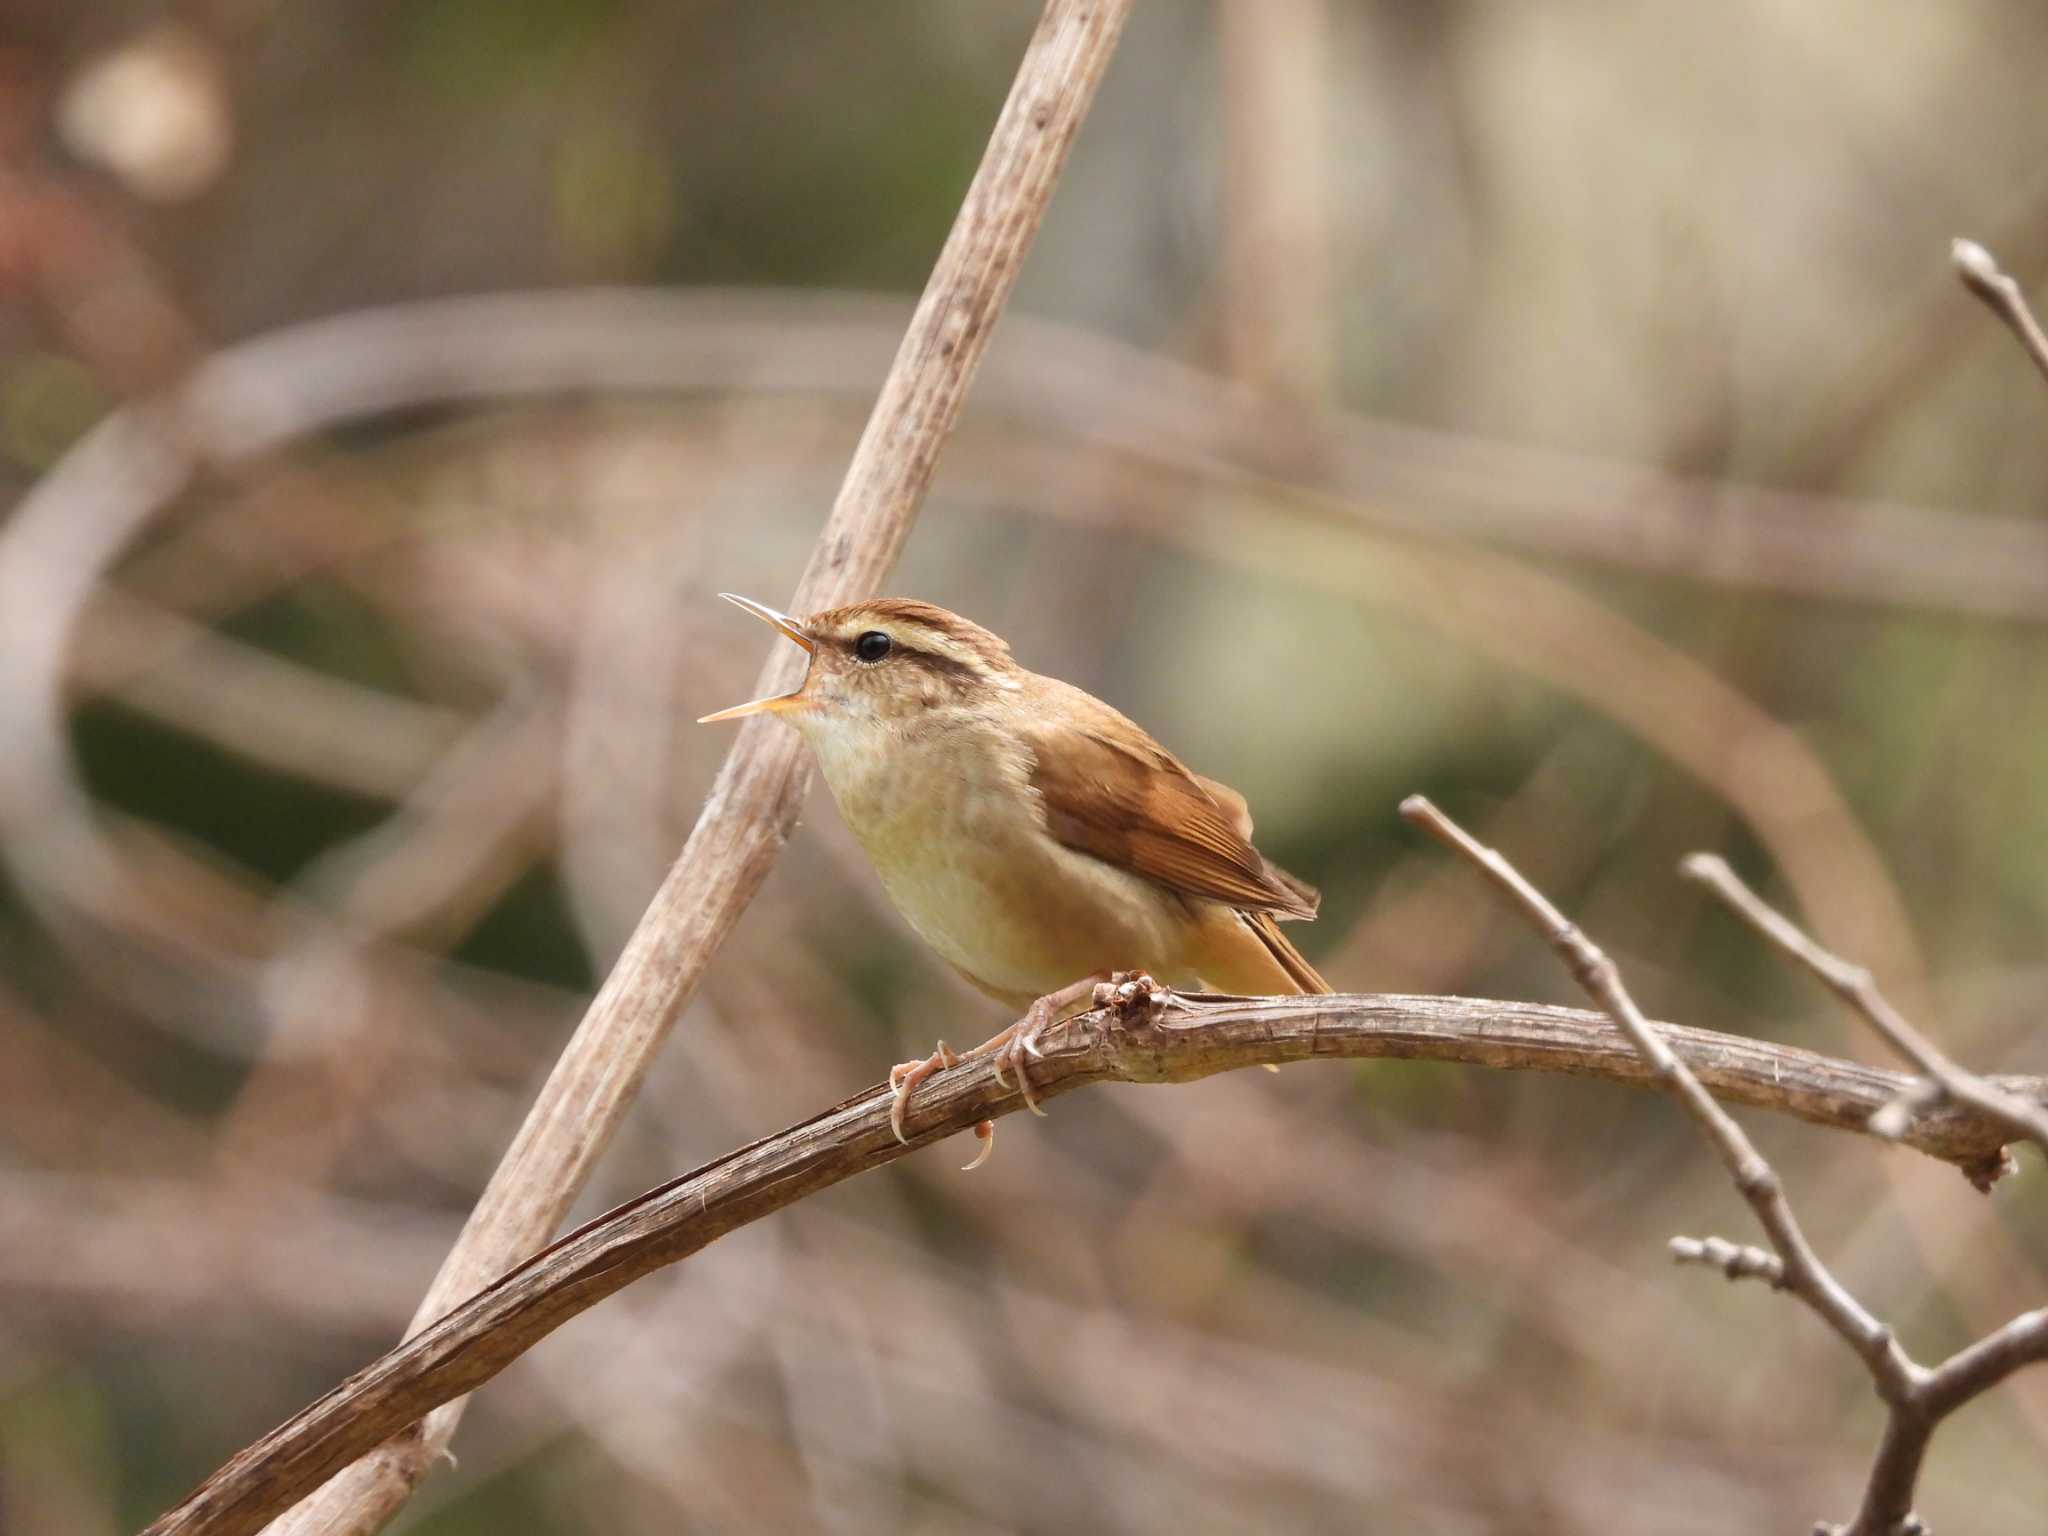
x=1562 y=409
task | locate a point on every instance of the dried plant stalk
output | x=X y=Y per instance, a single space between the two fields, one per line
x=754 y=802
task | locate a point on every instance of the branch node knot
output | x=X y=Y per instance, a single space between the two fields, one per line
x=1756 y=1179
x=1738 y=1261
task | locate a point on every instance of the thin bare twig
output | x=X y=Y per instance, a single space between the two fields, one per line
x=1916 y=1398
x=1854 y=985
x=1805 y=1275
x=1197 y=1038
x=1738 y=1261
x=1981 y=274
x=754 y=802
x=1987 y=1362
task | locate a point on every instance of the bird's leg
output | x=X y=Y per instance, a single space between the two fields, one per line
x=1120 y=989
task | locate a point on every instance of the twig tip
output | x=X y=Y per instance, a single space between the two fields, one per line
x=1975 y=264
x=1421 y=811
x=1706 y=868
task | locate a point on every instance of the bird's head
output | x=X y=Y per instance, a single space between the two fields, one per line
x=886 y=660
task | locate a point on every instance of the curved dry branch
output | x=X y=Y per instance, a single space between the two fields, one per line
x=1206 y=1036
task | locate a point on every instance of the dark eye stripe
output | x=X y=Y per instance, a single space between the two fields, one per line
x=941 y=666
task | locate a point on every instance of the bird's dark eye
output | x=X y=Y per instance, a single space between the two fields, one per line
x=872 y=646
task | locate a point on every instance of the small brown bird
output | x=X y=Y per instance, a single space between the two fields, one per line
x=1030 y=834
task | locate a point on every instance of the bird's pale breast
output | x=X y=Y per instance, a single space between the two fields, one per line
x=954 y=830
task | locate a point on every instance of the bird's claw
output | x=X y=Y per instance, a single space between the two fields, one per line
x=904 y=1078
x=1023 y=1042
x=985 y=1132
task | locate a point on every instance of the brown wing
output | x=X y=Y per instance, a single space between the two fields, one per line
x=1229 y=801
x=1233 y=805
x=1130 y=803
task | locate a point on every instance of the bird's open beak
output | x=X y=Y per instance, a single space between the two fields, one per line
x=789 y=627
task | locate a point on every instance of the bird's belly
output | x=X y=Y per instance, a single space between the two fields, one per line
x=1018 y=914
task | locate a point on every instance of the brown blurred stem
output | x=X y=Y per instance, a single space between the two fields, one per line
x=1275 y=291
x=1982 y=275
x=1917 y=1398
x=754 y=802
x=482 y=1336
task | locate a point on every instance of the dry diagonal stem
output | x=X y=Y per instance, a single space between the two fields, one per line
x=1805 y=1275
x=1901 y=1381
x=1206 y=1036
x=1888 y=1496
x=1917 y=1398
x=754 y=802
x=1854 y=985
x=1982 y=275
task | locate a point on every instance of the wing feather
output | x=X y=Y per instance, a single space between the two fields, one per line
x=1131 y=803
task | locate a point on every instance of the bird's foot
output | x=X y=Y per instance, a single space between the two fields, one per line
x=1126 y=990
x=1122 y=990
x=1020 y=1040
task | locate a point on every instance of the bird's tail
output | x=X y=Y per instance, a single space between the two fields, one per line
x=1304 y=976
